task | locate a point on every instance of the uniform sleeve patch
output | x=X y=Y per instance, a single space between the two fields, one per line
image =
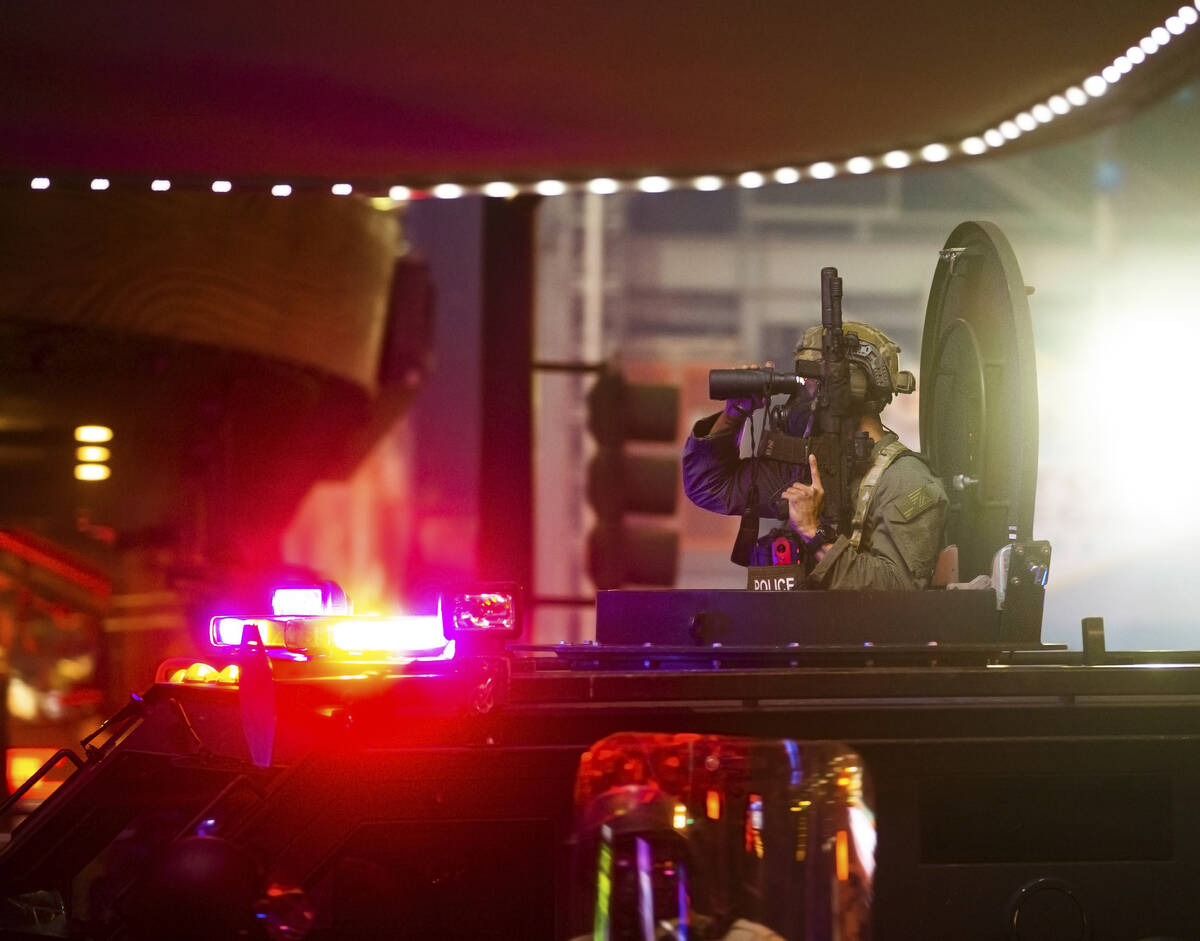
x=917 y=502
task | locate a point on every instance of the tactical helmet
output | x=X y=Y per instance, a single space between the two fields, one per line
x=875 y=372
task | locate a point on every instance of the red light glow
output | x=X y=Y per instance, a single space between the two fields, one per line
x=23 y=763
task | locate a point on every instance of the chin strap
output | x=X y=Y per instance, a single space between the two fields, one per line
x=866 y=490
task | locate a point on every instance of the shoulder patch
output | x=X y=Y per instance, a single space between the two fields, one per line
x=916 y=502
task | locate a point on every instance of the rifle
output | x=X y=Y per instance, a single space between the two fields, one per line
x=832 y=434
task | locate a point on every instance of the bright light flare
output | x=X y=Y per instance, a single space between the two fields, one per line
x=40 y=183
x=500 y=190
x=897 y=159
x=400 y=194
x=99 y=184
x=654 y=184
x=550 y=188
x=92 y=472
x=92 y=454
x=860 y=165
x=603 y=186
x=823 y=170
x=935 y=153
x=93 y=434
x=751 y=180
x=306 y=600
x=405 y=635
x=341 y=189
x=786 y=175
x=708 y=184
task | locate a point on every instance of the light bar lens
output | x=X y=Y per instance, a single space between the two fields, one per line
x=495 y=612
x=322 y=598
x=351 y=636
x=228 y=632
x=297 y=601
x=402 y=636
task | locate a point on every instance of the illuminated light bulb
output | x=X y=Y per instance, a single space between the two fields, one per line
x=500 y=190
x=1026 y=121
x=448 y=191
x=1175 y=25
x=92 y=472
x=1076 y=96
x=936 y=153
x=1110 y=74
x=221 y=186
x=200 y=673
x=341 y=189
x=1095 y=86
x=603 y=186
x=823 y=170
x=99 y=184
x=229 y=631
x=160 y=186
x=1160 y=36
x=229 y=675
x=1042 y=114
x=751 y=180
x=973 y=146
x=860 y=165
x=400 y=194
x=281 y=189
x=92 y=453
x=550 y=188
x=993 y=137
x=708 y=184
x=1188 y=15
x=1124 y=66
x=178 y=675
x=654 y=184
x=40 y=183
x=1148 y=45
x=93 y=434
x=1010 y=130
x=1135 y=55
x=786 y=175
x=679 y=818
x=896 y=159
x=1059 y=105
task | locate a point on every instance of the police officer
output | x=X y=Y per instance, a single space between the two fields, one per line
x=899 y=503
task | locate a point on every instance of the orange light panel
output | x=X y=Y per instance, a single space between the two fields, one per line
x=842 y=856
x=93 y=434
x=92 y=472
x=712 y=805
x=92 y=453
x=21 y=765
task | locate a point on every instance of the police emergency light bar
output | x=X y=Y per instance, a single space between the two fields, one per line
x=359 y=636
x=494 y=612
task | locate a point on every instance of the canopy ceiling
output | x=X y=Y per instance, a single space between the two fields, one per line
x=523 y=89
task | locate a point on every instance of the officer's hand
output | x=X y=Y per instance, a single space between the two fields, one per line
x=805 y=502
x=737 y=409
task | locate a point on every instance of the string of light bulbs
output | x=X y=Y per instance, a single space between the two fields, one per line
x=993 y=138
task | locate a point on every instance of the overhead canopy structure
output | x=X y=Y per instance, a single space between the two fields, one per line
x=421 y=93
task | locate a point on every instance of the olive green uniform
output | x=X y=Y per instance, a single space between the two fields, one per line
x=901 y=530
